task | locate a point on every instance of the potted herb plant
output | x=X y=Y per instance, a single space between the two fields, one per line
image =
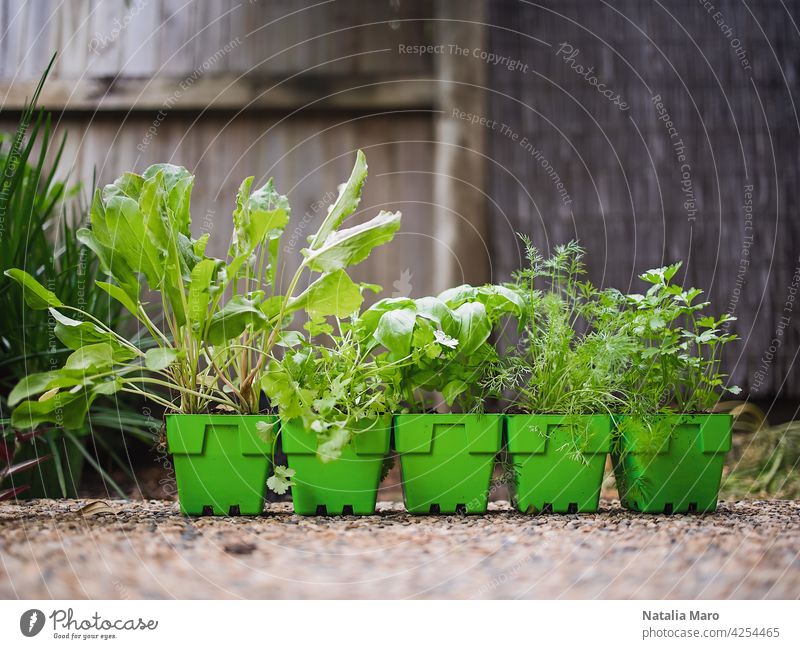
x=562 y=382
x=446 y=459
x=336 y=403
x=669 y=449
x=336 y=393
x=210 y=329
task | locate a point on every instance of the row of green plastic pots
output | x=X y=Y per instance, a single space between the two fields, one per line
x=447 y=461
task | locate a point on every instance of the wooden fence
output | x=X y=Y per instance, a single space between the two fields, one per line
x=700 y=166
x=498 y=126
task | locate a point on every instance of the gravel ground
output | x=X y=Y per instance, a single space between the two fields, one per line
x=146 y=549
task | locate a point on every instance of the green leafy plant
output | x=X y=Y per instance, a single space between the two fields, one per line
x=39 y=217
x=332 y=387
x=444 y=341
x=585 y=350
x=570 y=355
x=214 y=322
x=675 y=366
x=383 y=360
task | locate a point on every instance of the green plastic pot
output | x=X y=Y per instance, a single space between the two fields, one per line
x=347 y=485
x=558 y=461
x=221 y=462
x=675 y=466
x=447 y=461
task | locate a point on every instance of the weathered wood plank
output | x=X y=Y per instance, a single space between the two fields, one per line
x=224 y=93
x=460 y=216
x=307 y=156
x=172 y=38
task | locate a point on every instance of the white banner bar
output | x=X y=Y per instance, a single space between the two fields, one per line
x=389 y=624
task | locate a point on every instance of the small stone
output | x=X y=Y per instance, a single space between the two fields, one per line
x=240 y=548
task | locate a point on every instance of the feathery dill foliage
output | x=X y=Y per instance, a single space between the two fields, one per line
x=572 y=356
x=586 y=350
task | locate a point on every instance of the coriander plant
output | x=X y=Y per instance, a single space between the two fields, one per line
x=675 y=364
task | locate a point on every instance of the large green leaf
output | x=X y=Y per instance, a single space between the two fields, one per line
x=128 y=184
x=333 y=294
x=453 y=389
x=66 y=409
x=394 y=331
x=41 y=382
x=177 y=184
x=153 y=208
x=90 y=358
x=368 y=320
x=258 y=217
x=119 y=294
x=457 y=295
x=130 y=239
x=75 y=334
x=36 y=296
x=269 y=211
x=238 y=313
x=199 y=245
x=353 y=245
x=273 y=250
x=111 y=263
x=201 y=287
x=498 y=300
x=140 y=224
x=474 y=327
x=160 y=358
x=435 y=309
x=30 y=385
x=346 y=203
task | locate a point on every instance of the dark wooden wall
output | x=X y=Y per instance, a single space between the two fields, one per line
x=738 y=122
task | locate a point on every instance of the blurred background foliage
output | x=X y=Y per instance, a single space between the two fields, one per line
x=764 y=460
x=40 y=212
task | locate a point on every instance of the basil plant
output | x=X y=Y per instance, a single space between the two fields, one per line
x=441 y=344
x=207 y=325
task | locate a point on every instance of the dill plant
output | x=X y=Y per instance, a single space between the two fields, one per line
x=584 y=350
x=571 y=356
